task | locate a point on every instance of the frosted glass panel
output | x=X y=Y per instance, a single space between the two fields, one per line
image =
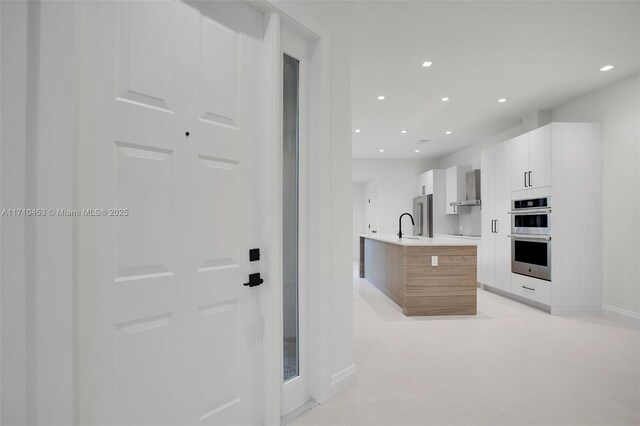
x=290 y=143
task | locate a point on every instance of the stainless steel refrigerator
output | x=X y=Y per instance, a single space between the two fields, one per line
x=423 y=214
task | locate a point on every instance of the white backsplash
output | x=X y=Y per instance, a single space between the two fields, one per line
x=470 y=224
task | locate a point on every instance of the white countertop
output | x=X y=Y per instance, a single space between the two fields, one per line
x=464 y=237
x=411 y=241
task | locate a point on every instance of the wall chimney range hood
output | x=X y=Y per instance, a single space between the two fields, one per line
x=473 y=190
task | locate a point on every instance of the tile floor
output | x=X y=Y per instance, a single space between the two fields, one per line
x=509 y=365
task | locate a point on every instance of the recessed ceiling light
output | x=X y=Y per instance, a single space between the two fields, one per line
x=417 y=150
x=448 y=132
x=357 y=130
x=445 y=99
x=403 y=131
x=381 y=150
x=502 y=100
x=606 y=68
x=381 y=97
x=427 y=64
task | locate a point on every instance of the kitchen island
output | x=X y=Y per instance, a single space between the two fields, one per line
x=425 y=276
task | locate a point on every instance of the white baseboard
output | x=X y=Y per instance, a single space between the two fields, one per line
x=575 y=310
x=297 y=412
x=622 y=314
x=343 y=380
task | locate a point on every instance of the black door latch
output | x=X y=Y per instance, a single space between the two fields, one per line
x=254 y=254
x=254 y=280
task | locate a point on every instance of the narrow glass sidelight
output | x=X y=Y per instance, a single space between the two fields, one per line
x=290 y=175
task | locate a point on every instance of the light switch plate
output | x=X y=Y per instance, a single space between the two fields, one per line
x=434 y=260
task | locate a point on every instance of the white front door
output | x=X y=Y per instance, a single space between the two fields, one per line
x=169 y=137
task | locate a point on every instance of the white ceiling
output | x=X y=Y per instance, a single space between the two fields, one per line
x=537 y=54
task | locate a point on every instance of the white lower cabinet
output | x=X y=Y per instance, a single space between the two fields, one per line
x=531 y=288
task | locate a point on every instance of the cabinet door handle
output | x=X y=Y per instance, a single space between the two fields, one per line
x=525 y=179
x=529 y=178
x=492 y=226
x=496 y=227
x=528 y=288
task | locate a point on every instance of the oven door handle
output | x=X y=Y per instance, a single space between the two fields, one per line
x=531 y=211
x=531 y=237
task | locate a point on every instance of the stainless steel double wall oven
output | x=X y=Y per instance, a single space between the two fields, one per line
x=531 y=237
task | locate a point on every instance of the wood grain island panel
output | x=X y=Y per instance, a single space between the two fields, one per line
x=404 y=273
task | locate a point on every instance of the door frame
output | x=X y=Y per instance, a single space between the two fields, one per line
x=313 y=207
x=46 y=268
x=298 y=44
x=38 y=272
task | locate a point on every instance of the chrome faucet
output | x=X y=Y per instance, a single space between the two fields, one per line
x=400 y=223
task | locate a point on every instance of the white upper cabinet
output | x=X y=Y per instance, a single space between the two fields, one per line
x=540 y=157
x=425 y=183
x=530 y=159
x=518 y=154
x=421 y=183
x=457 y=188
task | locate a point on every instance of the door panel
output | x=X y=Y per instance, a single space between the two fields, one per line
x=146 y=47
x=144 y=241
x=218 y=85
x=170 y=130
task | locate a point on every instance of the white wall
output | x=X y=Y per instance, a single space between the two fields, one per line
x=617 y=107
x=338 y=330
x=471 y=155
x=396 y=184
x=342 y=356
x=37 y=332
x=13 y=291
x=359 y=225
